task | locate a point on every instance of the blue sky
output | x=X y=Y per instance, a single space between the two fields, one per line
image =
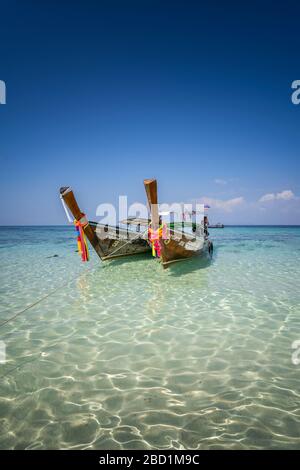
x=101 y=95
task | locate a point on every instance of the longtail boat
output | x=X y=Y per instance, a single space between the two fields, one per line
x=176 y=245
x=218 y=225
x=109 y=242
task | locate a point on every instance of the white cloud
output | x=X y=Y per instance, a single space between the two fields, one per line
x=285 y=195
x=227 y=205
x=220 y=181
x=268 y=197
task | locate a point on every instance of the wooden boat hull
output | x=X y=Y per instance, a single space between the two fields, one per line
x=180 y=247
x=117 y=242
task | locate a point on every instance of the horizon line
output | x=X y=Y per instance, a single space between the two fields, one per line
x=225 y=225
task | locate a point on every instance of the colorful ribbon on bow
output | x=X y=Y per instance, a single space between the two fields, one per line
x=81 y=241
x=154 y=237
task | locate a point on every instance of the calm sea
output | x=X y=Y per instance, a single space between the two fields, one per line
x=127 y=355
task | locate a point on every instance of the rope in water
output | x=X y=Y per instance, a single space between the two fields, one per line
x=18 y=366
x=60 y=287
x=27 y=308
x=42 y=298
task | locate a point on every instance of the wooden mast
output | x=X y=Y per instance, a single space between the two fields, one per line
x=151 y=191
x=69 y=198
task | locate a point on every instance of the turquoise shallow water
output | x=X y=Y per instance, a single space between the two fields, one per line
x=126 y=355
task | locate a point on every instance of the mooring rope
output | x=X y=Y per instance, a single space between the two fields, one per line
x=61 y=287
x=43 y=298
x=8 y=320
x=18 y=366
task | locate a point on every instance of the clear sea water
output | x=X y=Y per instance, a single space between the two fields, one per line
x=126 y=355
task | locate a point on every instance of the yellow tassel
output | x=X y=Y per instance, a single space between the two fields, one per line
x=153 y=249
x=86 y=247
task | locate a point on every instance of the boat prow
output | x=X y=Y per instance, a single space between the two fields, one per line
x=109 y=242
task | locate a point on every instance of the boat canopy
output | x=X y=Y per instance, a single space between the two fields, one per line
x=136 y=221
